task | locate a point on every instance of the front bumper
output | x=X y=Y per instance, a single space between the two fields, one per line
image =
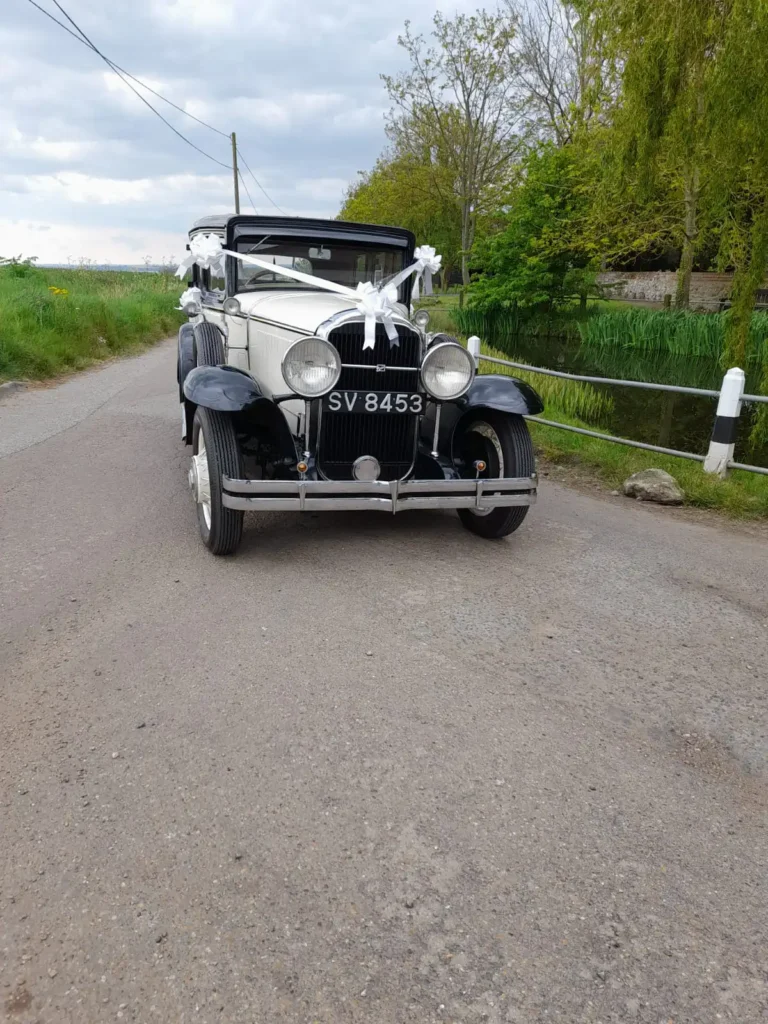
x=381 y=495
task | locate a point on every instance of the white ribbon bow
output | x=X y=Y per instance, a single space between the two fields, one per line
x=189 y=296
x=427 y=263
x=206 y=251
x=377 y=305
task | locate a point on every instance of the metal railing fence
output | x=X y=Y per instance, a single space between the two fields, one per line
x=731 y=397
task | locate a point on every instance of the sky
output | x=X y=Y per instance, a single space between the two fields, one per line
x=88 y=172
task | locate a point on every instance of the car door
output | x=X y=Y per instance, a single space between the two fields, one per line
x=233 y=326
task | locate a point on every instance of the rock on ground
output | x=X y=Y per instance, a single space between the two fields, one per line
x=654 y=485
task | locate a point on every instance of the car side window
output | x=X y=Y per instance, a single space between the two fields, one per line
x=213 y=287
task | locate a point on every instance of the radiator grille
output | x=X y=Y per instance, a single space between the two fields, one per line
x=390 y=438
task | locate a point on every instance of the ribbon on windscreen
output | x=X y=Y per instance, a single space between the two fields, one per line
x=427 y=263
x=376 y=305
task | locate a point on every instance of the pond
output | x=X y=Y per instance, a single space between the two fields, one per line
x=656 y=417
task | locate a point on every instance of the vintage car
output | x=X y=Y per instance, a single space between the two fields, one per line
x=290 y=405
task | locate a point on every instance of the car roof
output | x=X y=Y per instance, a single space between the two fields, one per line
x=235 y=226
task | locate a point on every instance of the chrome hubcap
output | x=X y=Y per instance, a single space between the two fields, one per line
x=486 y=430
x=200 y=480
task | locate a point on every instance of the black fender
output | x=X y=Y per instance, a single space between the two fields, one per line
x=229 y=389
x=186 y=360
x=490 y=391
x=502 y=393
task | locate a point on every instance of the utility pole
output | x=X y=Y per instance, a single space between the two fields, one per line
x=234 y=172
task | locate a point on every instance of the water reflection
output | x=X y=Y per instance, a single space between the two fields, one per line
x=656 y=417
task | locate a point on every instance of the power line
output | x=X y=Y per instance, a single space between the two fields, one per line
x=143 y=99
x=123 y=74
x=117 y=67
x=269 y=197
x=242 y=179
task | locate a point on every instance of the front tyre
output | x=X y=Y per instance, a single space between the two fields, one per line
x=209 y=347
x=215 y=454
x=504 y=444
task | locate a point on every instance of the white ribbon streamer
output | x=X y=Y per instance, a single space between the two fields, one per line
x=427 y=263
x=377 y=305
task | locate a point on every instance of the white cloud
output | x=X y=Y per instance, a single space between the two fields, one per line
x=323 y=190
x=63 y=243
x=76 y=187
x=83 y=163
x=190 y=16
x=13 y=142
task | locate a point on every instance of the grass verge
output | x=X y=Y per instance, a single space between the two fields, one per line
x=741 y=496
x=57 y=321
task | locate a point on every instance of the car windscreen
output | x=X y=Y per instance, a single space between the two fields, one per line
x=346 y=263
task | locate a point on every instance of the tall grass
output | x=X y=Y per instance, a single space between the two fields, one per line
x=500 y=325
x=567 y=398
x=742 y=495
x=670 y=332
x=54 y=321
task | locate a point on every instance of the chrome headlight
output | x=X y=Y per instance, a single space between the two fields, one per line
x=447 y=371
x=311 y=367
x=421 y=318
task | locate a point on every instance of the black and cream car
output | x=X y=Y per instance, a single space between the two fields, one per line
x=285 y=409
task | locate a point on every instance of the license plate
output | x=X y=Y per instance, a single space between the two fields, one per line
x=374 y=401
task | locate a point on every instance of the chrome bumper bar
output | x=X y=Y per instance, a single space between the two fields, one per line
x=381 y=495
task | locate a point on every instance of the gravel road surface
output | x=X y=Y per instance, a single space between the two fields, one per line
x=372 y=769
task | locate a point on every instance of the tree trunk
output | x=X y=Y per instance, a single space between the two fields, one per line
x=691 y=234
x=467 y=238
x=747 y=279
x=445 y=276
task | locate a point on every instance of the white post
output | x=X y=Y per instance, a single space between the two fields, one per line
x=726 y=422
x=473 y=347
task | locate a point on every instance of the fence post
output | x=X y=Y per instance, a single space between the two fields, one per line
x=473 y=347
x=726 y=422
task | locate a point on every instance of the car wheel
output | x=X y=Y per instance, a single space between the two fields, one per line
x=504 y=444
x=215 y=453
x=208 y=345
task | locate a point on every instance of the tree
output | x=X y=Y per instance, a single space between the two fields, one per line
x=458 y=103
x=738 y=114
x=561 y=70
x=541 y=253
x=666 y=53
x=401 y=190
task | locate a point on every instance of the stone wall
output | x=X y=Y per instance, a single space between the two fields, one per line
x=707 y=290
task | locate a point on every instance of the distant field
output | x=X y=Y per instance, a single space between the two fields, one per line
x=53 y=321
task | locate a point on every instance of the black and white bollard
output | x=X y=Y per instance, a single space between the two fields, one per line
x=473 y=347
x=726 y=423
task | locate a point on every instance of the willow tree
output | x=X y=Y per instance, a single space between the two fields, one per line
x=667 y=54
x=458 y=101
x=738 y=110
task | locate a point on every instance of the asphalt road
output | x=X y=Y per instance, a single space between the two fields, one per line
x=373 y=769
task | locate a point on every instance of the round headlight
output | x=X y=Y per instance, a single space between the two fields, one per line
x=231 y=306
x=447 y=371
x=421 y=318
x=311 y=367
